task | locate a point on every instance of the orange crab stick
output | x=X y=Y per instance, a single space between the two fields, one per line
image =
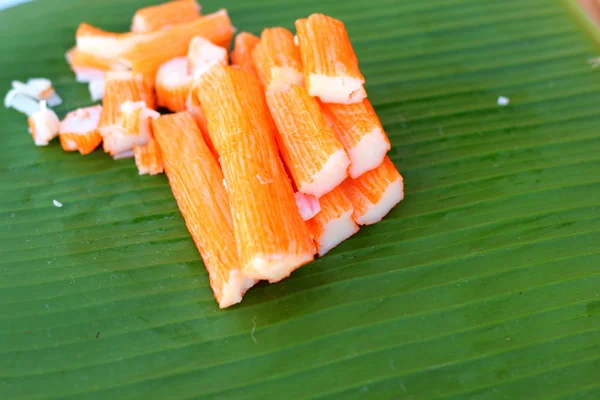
x=148 y=55
x=87 y=66
x=79 y=130
x=277 y=60
x=173 y=82
x=308 y=206
x=202 y=54
x=334 y=223
x=313 y=154
x=375 y=193
x=122 y=88
x=360 y=131
x=102 y=44
x=330 y=65
x=272 y=238
x=148 y=158
x=197 y=184
x=242 y=51
x=154 y=18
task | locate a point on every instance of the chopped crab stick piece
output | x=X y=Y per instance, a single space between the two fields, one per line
x=277 y=60
x=308 y=205
x=313 y=154
x=173 y=83
x=154 y=18
x=360 y=131
x=79 y=130
x=87 y=67
x=334 y=223
x=330 y=65
x=242 y=51
x=39 y=89
x=134 y=129
x=147 y=56
x=102 y=44
x=197 y=184
x=148 y=158
x=43 y=125
x=119 y=88
x=272 y=238
x=202 y=55
x=375 y=193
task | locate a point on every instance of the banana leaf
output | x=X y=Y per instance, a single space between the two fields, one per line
x=484 y=283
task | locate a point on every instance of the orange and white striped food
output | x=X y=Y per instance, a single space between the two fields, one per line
x=241 y=55
x=196 y=182
x=125 y=112
x=375 y=193
x=277 y=60
x=121 y=87
x=203 y=54
x=148 y=158
x=272 y=238
x=161 y=46
x=308 y=206
x=173 y=82
x=334 y=223
x=359 y=129
x=133 y=129
x=87 y=67
x=314 y=156
x=161 y=16
x=43 y=125
x=79 y=130
x=104 y=45
x=330 y=66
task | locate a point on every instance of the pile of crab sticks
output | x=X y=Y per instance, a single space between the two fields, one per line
x=273 y=152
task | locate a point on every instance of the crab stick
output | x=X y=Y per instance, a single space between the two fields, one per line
x=334 y=223
x=277 y=60
x=148 y=158
x=314 y=156
x=272 y=238
x=308 y=205
x=173 y=82
x=122 y=88
x=196 y=182
x=375 y=193
x=330 y=65
x=154 y=18
x=102 y=44
x=148 y=55
x=203 y=54
x=43 y=125
x=134 y=129
x=360 y=131
x=242 y=50
x=87 y=67
x=79 y=130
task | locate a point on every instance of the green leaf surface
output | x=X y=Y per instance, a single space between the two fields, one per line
x=483 y=284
